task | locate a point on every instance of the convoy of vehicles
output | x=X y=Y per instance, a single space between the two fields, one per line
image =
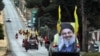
x=31 y=39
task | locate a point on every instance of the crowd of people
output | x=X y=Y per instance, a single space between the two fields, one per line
x=30 y=38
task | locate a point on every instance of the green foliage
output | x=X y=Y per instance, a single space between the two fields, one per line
x=92 y=10
x=67 y=10
x=1 y=32
x=1 y=5
x=32 y=3
x=0 y=0
x=46 y=19
x=47 y=14
x=44 y=30
x=92 y=54
x=50 y=7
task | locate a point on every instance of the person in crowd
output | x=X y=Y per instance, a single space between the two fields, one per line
x=16 y=36
x=26 y=44
x=46 y=42
x=20 y=31
x=40 y=40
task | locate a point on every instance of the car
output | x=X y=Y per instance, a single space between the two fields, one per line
x=29 y=23
x=33 y=44
x=8 y=19
x=94 y=47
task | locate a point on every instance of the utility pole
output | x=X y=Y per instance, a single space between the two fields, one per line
x=84 y=28
x=83 y=39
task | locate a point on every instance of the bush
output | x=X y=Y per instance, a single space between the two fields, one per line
x=1 y=32
x=44 y=30
x=91 y=54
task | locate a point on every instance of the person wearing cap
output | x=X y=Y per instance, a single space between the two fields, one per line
x=67 y=38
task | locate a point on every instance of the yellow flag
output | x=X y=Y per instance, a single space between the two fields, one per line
x=73 y=24
x=76 y=20
x=59 y=19
x=59 y=13
x=58 y=27
x=56 y=38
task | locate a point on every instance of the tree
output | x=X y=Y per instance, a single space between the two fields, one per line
x=45 y=8
x=44 y=31
x=32 y=3
x=1 y=6
x=47 y=14
x=92 y=10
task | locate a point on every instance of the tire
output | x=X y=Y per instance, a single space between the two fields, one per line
x=50 y=54
x=37 y=48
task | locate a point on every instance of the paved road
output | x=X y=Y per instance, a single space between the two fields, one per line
x=16 y=24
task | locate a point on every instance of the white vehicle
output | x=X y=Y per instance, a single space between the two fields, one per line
x=8 y=20
x=29 y=23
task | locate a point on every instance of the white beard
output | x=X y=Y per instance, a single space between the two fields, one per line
x=62 y=41
x=70 y=41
